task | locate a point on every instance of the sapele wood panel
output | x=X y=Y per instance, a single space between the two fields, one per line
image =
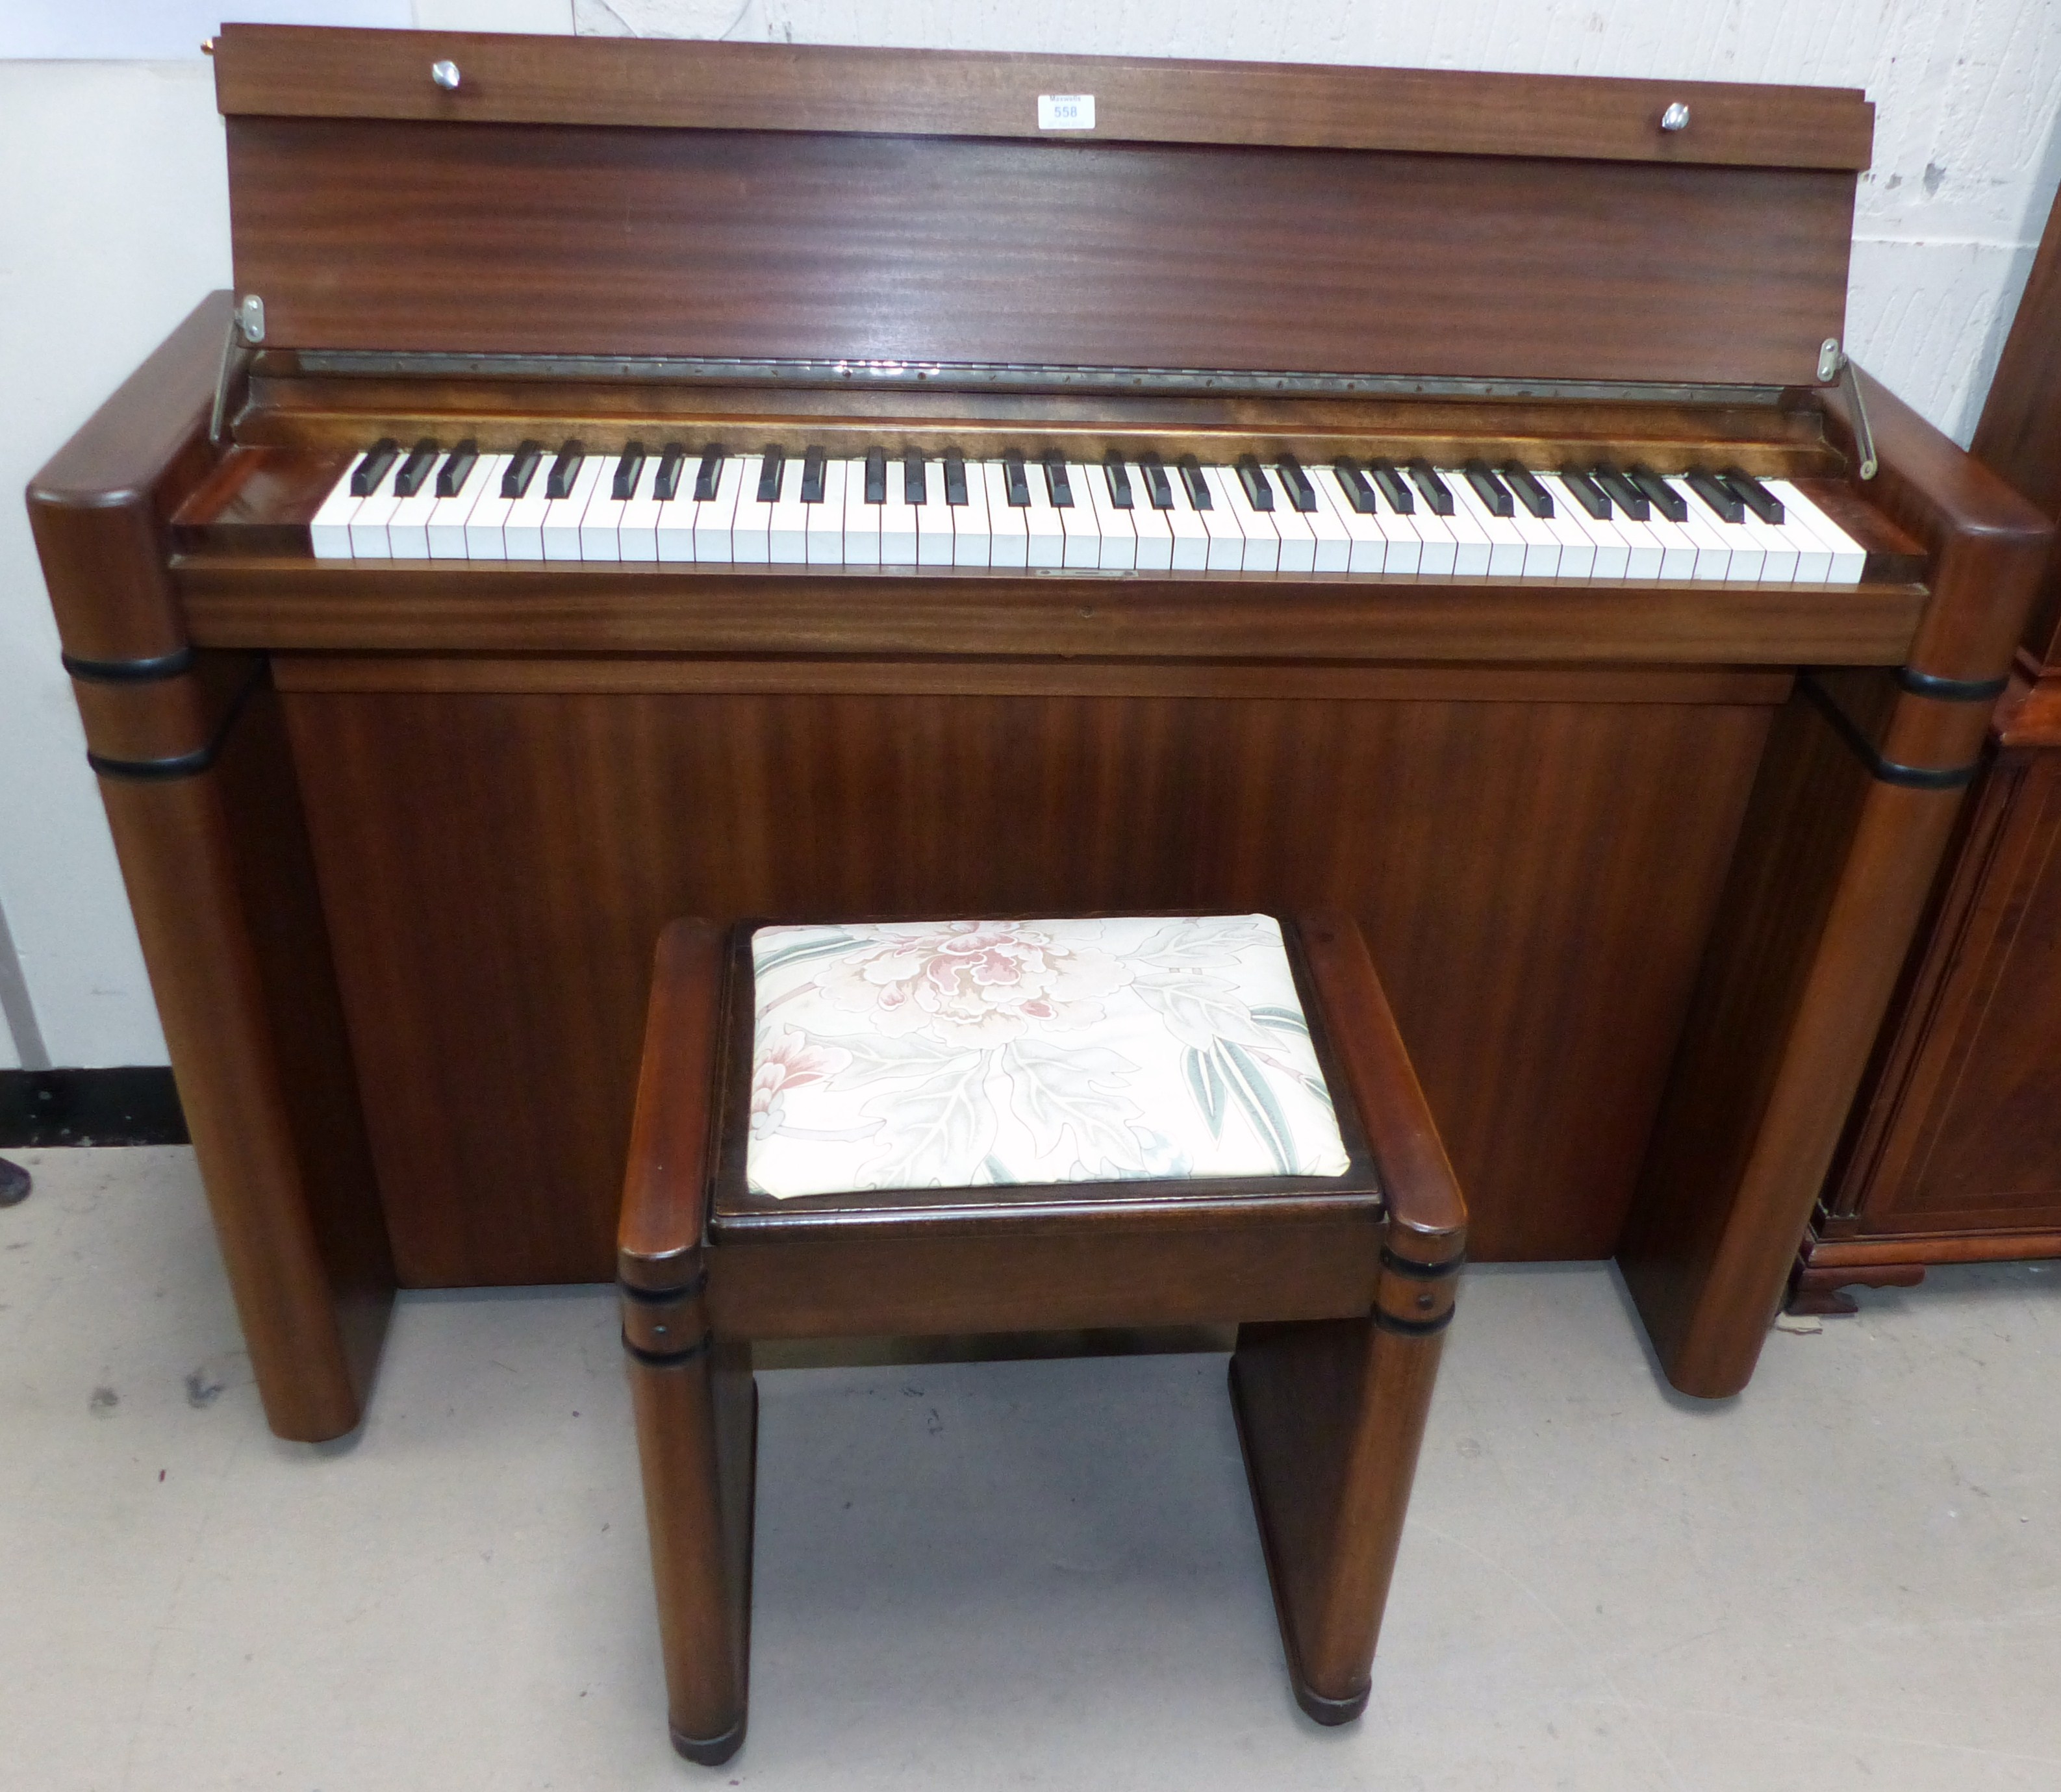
x=1535 y=879
x=398 y=235
x=298 y=71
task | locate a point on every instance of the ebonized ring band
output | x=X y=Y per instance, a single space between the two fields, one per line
x=1886 y=771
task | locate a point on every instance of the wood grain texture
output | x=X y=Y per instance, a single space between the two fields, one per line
x=282 y=71
x=98 y=507
x=1535 y=877
x=379 y=235
x=453 y=607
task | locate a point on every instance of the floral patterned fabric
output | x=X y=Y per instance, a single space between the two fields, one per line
x=950 y=1055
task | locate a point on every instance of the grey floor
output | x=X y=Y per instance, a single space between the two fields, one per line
x=1020 y=1575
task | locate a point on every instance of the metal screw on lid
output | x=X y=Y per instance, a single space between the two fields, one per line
x=445 y=75
x=1675 y=118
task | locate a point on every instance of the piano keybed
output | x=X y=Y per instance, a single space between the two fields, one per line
x=669 y=504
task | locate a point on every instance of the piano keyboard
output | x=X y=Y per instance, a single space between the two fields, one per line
x=1120 y=514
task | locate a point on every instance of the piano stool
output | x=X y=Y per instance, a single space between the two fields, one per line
x=1340 y=1277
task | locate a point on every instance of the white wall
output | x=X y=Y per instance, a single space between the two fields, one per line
x=121 y=224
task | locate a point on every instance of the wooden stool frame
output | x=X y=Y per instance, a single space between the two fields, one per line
x=1341 y=1298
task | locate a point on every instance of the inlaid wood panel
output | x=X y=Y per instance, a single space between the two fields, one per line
x=1535 y=878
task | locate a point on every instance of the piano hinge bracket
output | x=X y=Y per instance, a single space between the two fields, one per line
x=237 y=354
x=1835 y=363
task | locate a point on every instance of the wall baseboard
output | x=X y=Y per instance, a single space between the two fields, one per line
x=137 y=1104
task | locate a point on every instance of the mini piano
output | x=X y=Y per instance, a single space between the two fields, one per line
x=632 y=479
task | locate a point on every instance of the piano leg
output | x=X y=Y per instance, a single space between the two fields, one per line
x=221 y=881
x=1330 y=1414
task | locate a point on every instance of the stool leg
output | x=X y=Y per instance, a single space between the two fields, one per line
x=698 y=1440
x=1331 y=1413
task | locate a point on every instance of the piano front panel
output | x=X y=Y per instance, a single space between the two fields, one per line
x=1535 y=856
x=388 y=235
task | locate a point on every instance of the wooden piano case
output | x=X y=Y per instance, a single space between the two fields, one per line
x=1954 y=1151
x=400 y=836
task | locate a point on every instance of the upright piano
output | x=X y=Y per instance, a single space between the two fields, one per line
x=632 y=479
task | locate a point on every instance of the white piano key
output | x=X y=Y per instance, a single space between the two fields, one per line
x=1263 y=539
x=714 y=519
x=1814 y=558
x=328 y=529
x=1506 y=542
x=824 y=524
x=1678 y=547
x=446 y=531
x=601 y=522
x=563 y=516
x=972 y=543
x=787 y=525
x=1472 y=549
x=1189 y=528
x=1745 y=558
x=522 y=529
x=1226 y=535
x=1610 y=553
x=487 y=523
x=1544 y=543
x=934 y=519
x=368 y=522
x=1080 y=520
x=408 y=529
x=1849 y=558
x=1714 y=547
x=1439 y=548
x=637 y=524
x=861 y=520
x=1006 y=522
x=1578 y=546
x=1045 y=532
x=1367 y=542
x=1299 y=540
x=676 y=521
x=1778 y=552
x=1331 y=541
x=1154 y=533
x=1119 y=532
x=1647 y=554
x=899 y=539
x=751 y=528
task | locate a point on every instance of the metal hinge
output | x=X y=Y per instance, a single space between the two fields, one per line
x=1834 y=363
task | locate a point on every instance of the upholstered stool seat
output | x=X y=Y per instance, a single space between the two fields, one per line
x=975 y=1126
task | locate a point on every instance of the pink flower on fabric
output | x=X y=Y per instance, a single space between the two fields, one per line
x=974 y=983
x=790 y=1061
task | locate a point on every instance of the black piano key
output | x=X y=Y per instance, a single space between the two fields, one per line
x=1302 y=494
x=772 y=467
x=1058 y=486
x=876 y=475
x=1401 y=499
x=565 y=469
x=457 y=468
x=628 y=471
x=521 y=469
x=672 y=462
x=1586 y=493
x=915 y=487
x=1719 y=496
x=1158 y=488
x=1623 y=493
x=1664 y=498
x=1258 y=491
x=415 y=468
x=955 y=492
x=371 y=471
x=1532 y=495
x=1754 y=495
x=1490 y=489
x=1425 y=477
x=708 y=472
x=812 y=476
x=1199 y=490
x=1352 y=483
x=1018 y=486
x=1116 y=476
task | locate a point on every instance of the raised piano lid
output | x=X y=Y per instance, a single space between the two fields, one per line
x=609 y=197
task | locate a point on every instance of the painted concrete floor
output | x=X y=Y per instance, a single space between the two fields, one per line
x=1022 y=1574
